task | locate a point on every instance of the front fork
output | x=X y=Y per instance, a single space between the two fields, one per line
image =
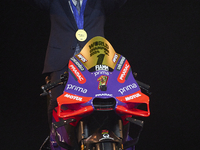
x=101 y=139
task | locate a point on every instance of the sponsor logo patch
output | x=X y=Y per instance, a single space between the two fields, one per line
x=83 y=59
x=77 y=73
x=77 y=64
x=127 y=88
x=124 y=72
x=121 y=62
x=76 y=88
x=101 y=72
x=101 y=67
x=73 y=97
x=133 y=96
x=103 y=94
x=115 y=58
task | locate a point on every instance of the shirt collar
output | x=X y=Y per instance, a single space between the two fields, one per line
x=74 y=1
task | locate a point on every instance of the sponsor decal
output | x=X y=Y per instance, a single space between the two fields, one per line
x=103 y=94
x=76 y=88
x=82 y=58
x=121 y=62
x=77 y=64
x=124 y=72
x=101 y=67
x=73 y=97
x=133 y=96
x=77 y=73
x=101 y=72
x=98 y=46
x=102 y=81
x=127 y=88
x=105 y=135
x=115 y=58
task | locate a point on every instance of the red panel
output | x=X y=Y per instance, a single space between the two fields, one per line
x=76 y=72
x=70 y=113
x=74 y=105
x=68 y=98
x=133 y=111
x=129 y=109
x=124 y=72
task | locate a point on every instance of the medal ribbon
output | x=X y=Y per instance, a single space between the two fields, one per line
x=79 y=18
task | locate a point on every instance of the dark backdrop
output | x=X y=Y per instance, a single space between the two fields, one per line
x=160 y=38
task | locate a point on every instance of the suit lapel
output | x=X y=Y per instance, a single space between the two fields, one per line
x=88 y=10
x=67 y=9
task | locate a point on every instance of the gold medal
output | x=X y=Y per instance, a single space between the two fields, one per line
x=81 y=35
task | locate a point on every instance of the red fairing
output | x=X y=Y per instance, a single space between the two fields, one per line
x=73 y=104
x=124 y=71
x=76 y=72
x=132 y=100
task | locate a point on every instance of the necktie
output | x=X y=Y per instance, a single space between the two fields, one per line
x=78 y=6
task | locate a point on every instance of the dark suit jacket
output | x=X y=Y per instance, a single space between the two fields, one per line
x=62 y=40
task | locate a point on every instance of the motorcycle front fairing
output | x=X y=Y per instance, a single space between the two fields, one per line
x=100 y=80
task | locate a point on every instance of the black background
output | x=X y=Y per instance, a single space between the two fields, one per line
x=160 y=38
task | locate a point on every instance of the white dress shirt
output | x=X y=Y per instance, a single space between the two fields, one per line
x=75 y=2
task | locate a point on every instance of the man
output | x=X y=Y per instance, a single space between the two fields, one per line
x=69 y=19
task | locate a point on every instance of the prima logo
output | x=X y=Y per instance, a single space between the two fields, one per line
x=127 y=88
x=101 y=73
x=76 y=88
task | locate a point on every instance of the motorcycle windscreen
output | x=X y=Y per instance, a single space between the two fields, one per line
x=98 y=52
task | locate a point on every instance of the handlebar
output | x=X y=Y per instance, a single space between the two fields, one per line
x=144 y=87
x=63 y=79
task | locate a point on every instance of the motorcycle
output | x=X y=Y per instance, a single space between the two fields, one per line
x=101 y=98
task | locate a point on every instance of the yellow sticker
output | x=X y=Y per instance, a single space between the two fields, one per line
x=98 y=51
